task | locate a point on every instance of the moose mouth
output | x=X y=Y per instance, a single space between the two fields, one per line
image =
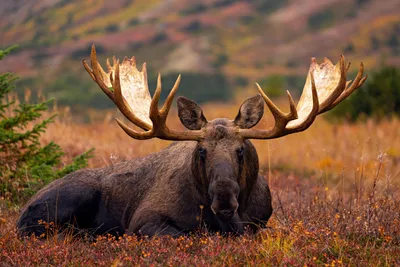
x=225 y=215
x=229 y=222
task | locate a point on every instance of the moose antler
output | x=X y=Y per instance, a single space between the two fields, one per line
x=325 y=87
x=127 y=88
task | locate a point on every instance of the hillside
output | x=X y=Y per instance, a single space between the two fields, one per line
x=233 y=43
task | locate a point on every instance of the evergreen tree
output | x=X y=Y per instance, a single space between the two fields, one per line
x=25 y=164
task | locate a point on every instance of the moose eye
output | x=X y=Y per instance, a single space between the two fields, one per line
x=240 y=152
x=202 y=152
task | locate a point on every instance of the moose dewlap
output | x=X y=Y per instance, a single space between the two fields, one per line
x=208 y=177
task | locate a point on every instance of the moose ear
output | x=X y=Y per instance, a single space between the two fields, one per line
x=250 y=112
x=190 y=114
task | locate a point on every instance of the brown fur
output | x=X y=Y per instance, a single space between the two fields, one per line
x=214 y=182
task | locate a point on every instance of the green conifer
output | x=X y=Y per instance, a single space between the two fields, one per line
x=26 y=165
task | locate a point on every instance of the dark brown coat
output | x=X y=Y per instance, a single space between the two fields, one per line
x=213 y=182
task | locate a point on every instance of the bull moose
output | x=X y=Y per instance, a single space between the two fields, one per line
x=209 y=176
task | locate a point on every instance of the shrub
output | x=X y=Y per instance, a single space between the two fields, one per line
x=379 y=97
x=25 y=164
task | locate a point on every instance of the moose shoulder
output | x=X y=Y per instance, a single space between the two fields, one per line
x=209 y=176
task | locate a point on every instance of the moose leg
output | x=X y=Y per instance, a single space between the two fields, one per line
x=159 y=226
x=234 y=226
x=259 y=208
x=66 y=204
x=106 y=222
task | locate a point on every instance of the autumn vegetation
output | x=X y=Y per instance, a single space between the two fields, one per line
x=335 y=194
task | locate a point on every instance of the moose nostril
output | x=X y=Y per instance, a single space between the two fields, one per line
x=226 y=214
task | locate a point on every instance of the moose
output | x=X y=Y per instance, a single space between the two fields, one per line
x=208 y=177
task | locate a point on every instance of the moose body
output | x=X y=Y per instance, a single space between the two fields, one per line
x=208 y=177
x=162 y=193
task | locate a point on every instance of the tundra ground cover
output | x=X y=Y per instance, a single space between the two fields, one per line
x=335 y=193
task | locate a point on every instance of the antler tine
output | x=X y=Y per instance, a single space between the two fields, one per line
x=135 y=134
x=312 y=115
x=168 y=102
x=154 y=113
x=358 y=81
x=292 y=106
x=276 y=112
x=281 y=119
x=88 y=69
x=97 y=73
x=348 y=66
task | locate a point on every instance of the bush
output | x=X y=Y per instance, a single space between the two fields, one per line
x=25 y=164
x=379 y=97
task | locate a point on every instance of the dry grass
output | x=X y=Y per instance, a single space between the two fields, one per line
x=335 y=191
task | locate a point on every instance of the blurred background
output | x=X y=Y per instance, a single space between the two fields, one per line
x=221 y=47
